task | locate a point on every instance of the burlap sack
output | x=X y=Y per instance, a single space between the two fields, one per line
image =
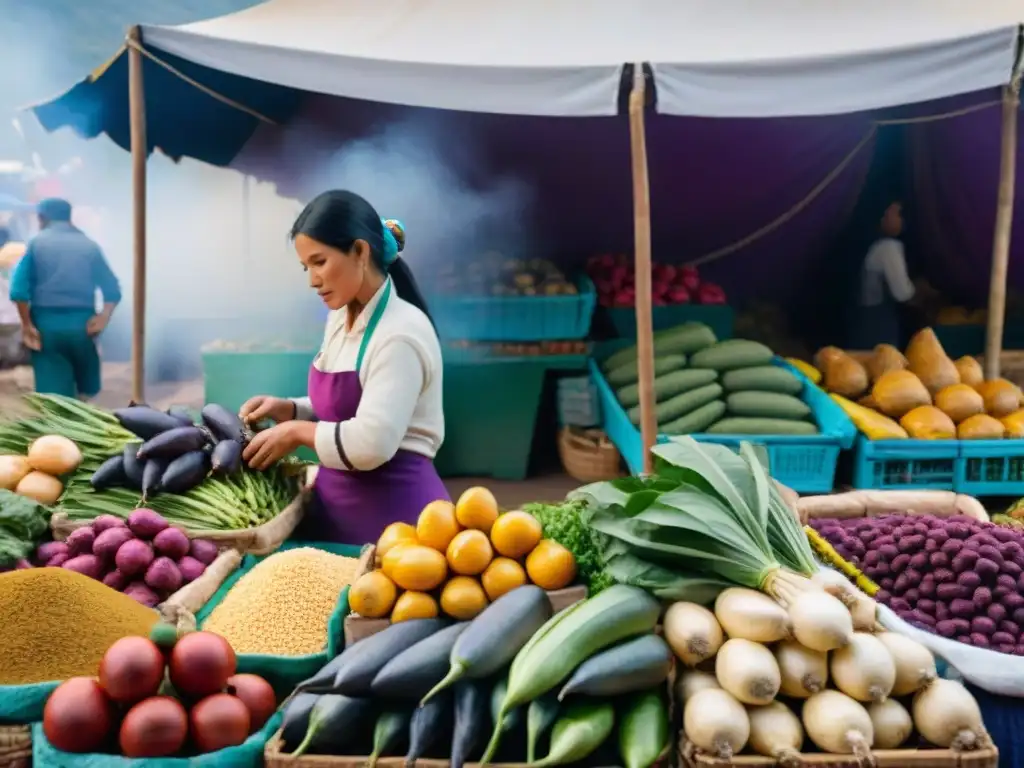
x=192 y=597
x=876 y=503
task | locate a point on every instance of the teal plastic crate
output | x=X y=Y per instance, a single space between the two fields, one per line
x=906 y=465
x=807 y=464
x=515 y=318
x=720 y=318
x=990 y=468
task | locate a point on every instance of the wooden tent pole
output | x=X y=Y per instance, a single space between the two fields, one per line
x=137 y=116
x=1004 y=225
x=642 y=257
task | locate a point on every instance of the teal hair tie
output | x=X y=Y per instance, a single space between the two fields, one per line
x=394 y=240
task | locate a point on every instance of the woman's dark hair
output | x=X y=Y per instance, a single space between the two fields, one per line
x=338 y=218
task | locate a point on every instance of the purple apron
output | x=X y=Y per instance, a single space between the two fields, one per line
x=354 y=507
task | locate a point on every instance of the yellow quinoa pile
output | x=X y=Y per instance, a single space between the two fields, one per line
x=282 y=606
x=56 y=624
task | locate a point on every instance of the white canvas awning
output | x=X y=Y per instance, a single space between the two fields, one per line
x=714 y=58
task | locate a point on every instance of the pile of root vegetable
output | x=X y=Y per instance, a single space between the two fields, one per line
x=191 y=473
x=760 y=678
x=956 y=577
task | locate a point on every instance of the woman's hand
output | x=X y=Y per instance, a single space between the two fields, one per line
x=271 y=445
x=261 y=407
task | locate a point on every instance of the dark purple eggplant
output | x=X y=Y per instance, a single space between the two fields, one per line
x=185 y=472
x=144 y=421
x=181 y=414
x=227 y=457
x=152 y=475
x=132 y=466
x=110 y=474
x=174 y=443
x=224 y=424
x=472 y=721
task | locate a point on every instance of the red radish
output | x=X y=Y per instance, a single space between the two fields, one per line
x=689 y=278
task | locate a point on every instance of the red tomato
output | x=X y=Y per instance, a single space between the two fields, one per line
x=77 y=716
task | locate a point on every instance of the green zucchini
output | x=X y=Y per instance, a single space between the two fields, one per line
x=643 y=730
x=363 y=660
x=695 y=421
x=731 y=354
x=612 y=615
x=428 y=726
x=668 y=385
x=493 y=638
x=333 y=721
x=629 y=373
x=686 y=338
x=541 y=715
x=767 y=405
x=751 y=426
x=391 y=730
x=296 y=718
x=498 y=696
x=680 y=405
x=413 y=672
x=471 y=721
x=763 y=378
x=634 y=665
x=579 y=732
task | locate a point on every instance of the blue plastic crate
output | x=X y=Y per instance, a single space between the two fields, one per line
x=807 y=464
x=719 y=317
x=990 y=468
x=515 y=318
x=1004 y=720
x=901 y=465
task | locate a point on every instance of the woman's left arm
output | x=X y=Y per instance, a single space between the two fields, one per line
x=394 y=382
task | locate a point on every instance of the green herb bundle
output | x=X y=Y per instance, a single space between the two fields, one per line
x=23 y=522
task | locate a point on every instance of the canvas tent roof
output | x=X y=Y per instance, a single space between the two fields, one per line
x=713 y=58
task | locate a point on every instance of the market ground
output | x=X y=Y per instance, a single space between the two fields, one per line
x=117 y=391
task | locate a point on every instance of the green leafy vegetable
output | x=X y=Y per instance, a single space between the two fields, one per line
x=563 y=523
x=22 y=523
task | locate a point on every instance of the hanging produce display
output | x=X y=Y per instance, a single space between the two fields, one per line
x=921 y=394
x=955 y=577
x=845 y=701
x=701 y=384
x=457 y=559
x=615 y=281
x=179 y=698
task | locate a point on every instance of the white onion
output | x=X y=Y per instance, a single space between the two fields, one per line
x=863 y=609
x=892 y=723
x=748 y=671
x=776 y=732
x=715 y=722
x=751 y=615
x=864 y=669
x=692 y=632
x=691 y=682
x=948 y=716
x=820 y=621
x=12 y=471
x=55 y=455
x=40 y=487
x=803 y=671
x=838 y=724
x=915 y=665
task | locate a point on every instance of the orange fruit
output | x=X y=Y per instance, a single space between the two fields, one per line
x=414 y=605
x=372 y=595
x=550 y=565
x=437 y=525
x=476 y=508
x=515 y=534
x=388 y=562
x=418 y=568
x=470 y=553
x=463 y=598
x=502 y=575
x=396 y=533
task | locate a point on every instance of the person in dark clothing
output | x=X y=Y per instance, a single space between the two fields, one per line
x=54 y=288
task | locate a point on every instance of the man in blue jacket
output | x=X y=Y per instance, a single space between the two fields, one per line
x=54 y=288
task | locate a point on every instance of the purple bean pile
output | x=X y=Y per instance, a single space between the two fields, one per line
x=955 y=577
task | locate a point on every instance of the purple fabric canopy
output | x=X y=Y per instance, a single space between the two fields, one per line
x=566 y=183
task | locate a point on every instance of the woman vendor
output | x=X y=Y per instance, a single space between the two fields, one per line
x=374 y=411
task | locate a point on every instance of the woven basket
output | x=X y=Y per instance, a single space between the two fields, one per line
x=588 y=455
x=15 y=746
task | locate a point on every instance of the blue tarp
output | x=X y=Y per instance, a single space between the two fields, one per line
x=181 y=119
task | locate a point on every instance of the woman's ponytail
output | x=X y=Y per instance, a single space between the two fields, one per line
x=401 y=275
